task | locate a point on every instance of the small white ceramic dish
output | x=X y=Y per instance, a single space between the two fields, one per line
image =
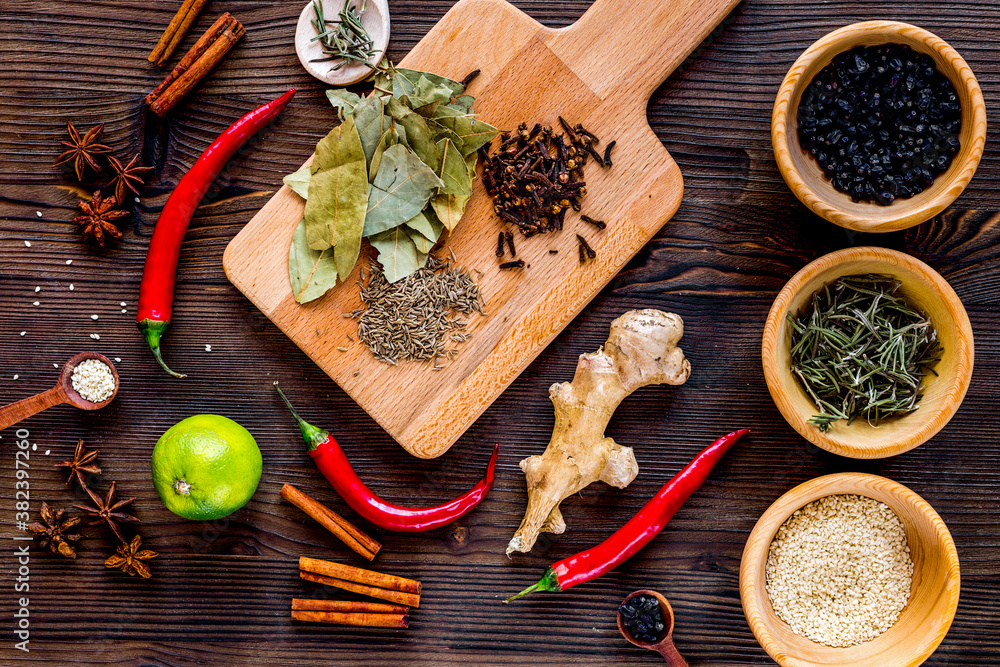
x=375 y=19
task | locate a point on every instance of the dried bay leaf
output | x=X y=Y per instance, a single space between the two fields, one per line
x=396 y=253
x=426 y=222
x=471 y=160
x=312 y=273
x=463 y=103
x=383 y=143
x=454 y=172
x=343 y=101
x=369 y=115
x=441 y=132
x=450 y=209
x=404 y=82
x=401 y=189
x=335 y=209
x=299 y=181
x=449 y=204
x=472 y=132
x=418 y=134
x=420 y=242
x=427 y=110
x=333 y=151
x=427 y=92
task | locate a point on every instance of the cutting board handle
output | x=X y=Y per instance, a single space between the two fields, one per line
x=643 y=41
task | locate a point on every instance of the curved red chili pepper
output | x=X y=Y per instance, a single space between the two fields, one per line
x=639 y=530
x=332 y=462
x=156 y=294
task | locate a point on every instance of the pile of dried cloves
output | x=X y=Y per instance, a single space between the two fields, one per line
x=535 y=176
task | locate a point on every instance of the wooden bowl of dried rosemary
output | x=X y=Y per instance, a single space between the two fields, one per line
x=867 y=352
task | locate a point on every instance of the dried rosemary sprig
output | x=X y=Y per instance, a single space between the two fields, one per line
x=417 y=318
x=346 y=39
x=860 y=350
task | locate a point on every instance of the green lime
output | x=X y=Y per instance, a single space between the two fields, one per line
x=206 y=467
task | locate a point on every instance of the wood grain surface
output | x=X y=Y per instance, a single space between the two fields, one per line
x=221 y=591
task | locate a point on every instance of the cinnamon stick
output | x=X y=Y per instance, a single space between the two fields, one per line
x=175 y=32
x=196 y=64
x=364 y=620
x=396 y=597
x=350 y=535
x=348 y=606
x=356 y=574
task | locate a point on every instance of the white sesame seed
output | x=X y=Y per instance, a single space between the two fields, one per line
x=36 y=303
x=68 y=262
x=37 y=289
x=208 y=348
x=38 y=213
x=55 y=365
x=47 y=451
x=95 y=336
x=839 y=570
x=93 y=317
x=137 y=200
x=123 y=304
x=93 y=380
x=27 y=244
x=118 y=360
x=23 y=332
x=71 y=287
x=124 y=310
x=15 y=377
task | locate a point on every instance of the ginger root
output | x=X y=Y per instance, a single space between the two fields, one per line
x=641 y=349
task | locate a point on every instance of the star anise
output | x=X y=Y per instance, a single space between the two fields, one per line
x=54 y=533
x=129 y=559
x=97 y=219
x=125 y=176
x=82 y=463
x=82 y=150
x=108 y=511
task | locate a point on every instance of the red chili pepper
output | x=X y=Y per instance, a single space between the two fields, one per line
x=332 y=462
x=640 y=529
x=156 y=294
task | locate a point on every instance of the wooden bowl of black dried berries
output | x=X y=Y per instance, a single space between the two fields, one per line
x=878 y=126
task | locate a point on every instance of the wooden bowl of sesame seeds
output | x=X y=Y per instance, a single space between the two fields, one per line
x=942 y=390
x=933 y=599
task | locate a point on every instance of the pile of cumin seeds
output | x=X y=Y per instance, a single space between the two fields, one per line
x=418 y=318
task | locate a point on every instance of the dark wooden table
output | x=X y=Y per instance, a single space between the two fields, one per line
x=221 y=591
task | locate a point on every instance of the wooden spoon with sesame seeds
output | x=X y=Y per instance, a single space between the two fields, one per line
x=62 y=393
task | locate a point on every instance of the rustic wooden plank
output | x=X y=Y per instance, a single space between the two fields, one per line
x=221 y=592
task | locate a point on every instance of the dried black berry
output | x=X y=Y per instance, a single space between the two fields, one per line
x=644 y=618
x=881 y=121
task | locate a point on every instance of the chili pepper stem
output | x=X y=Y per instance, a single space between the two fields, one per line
x=312 y=435
x=153 y=330
x=548 y=582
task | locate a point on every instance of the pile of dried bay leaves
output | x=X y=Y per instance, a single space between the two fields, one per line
x=397 y=171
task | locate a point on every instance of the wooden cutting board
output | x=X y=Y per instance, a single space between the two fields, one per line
x=600 y=72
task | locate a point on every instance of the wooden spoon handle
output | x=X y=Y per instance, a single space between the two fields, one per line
x=671 y=654
x=629 y=48
x=16 y=412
